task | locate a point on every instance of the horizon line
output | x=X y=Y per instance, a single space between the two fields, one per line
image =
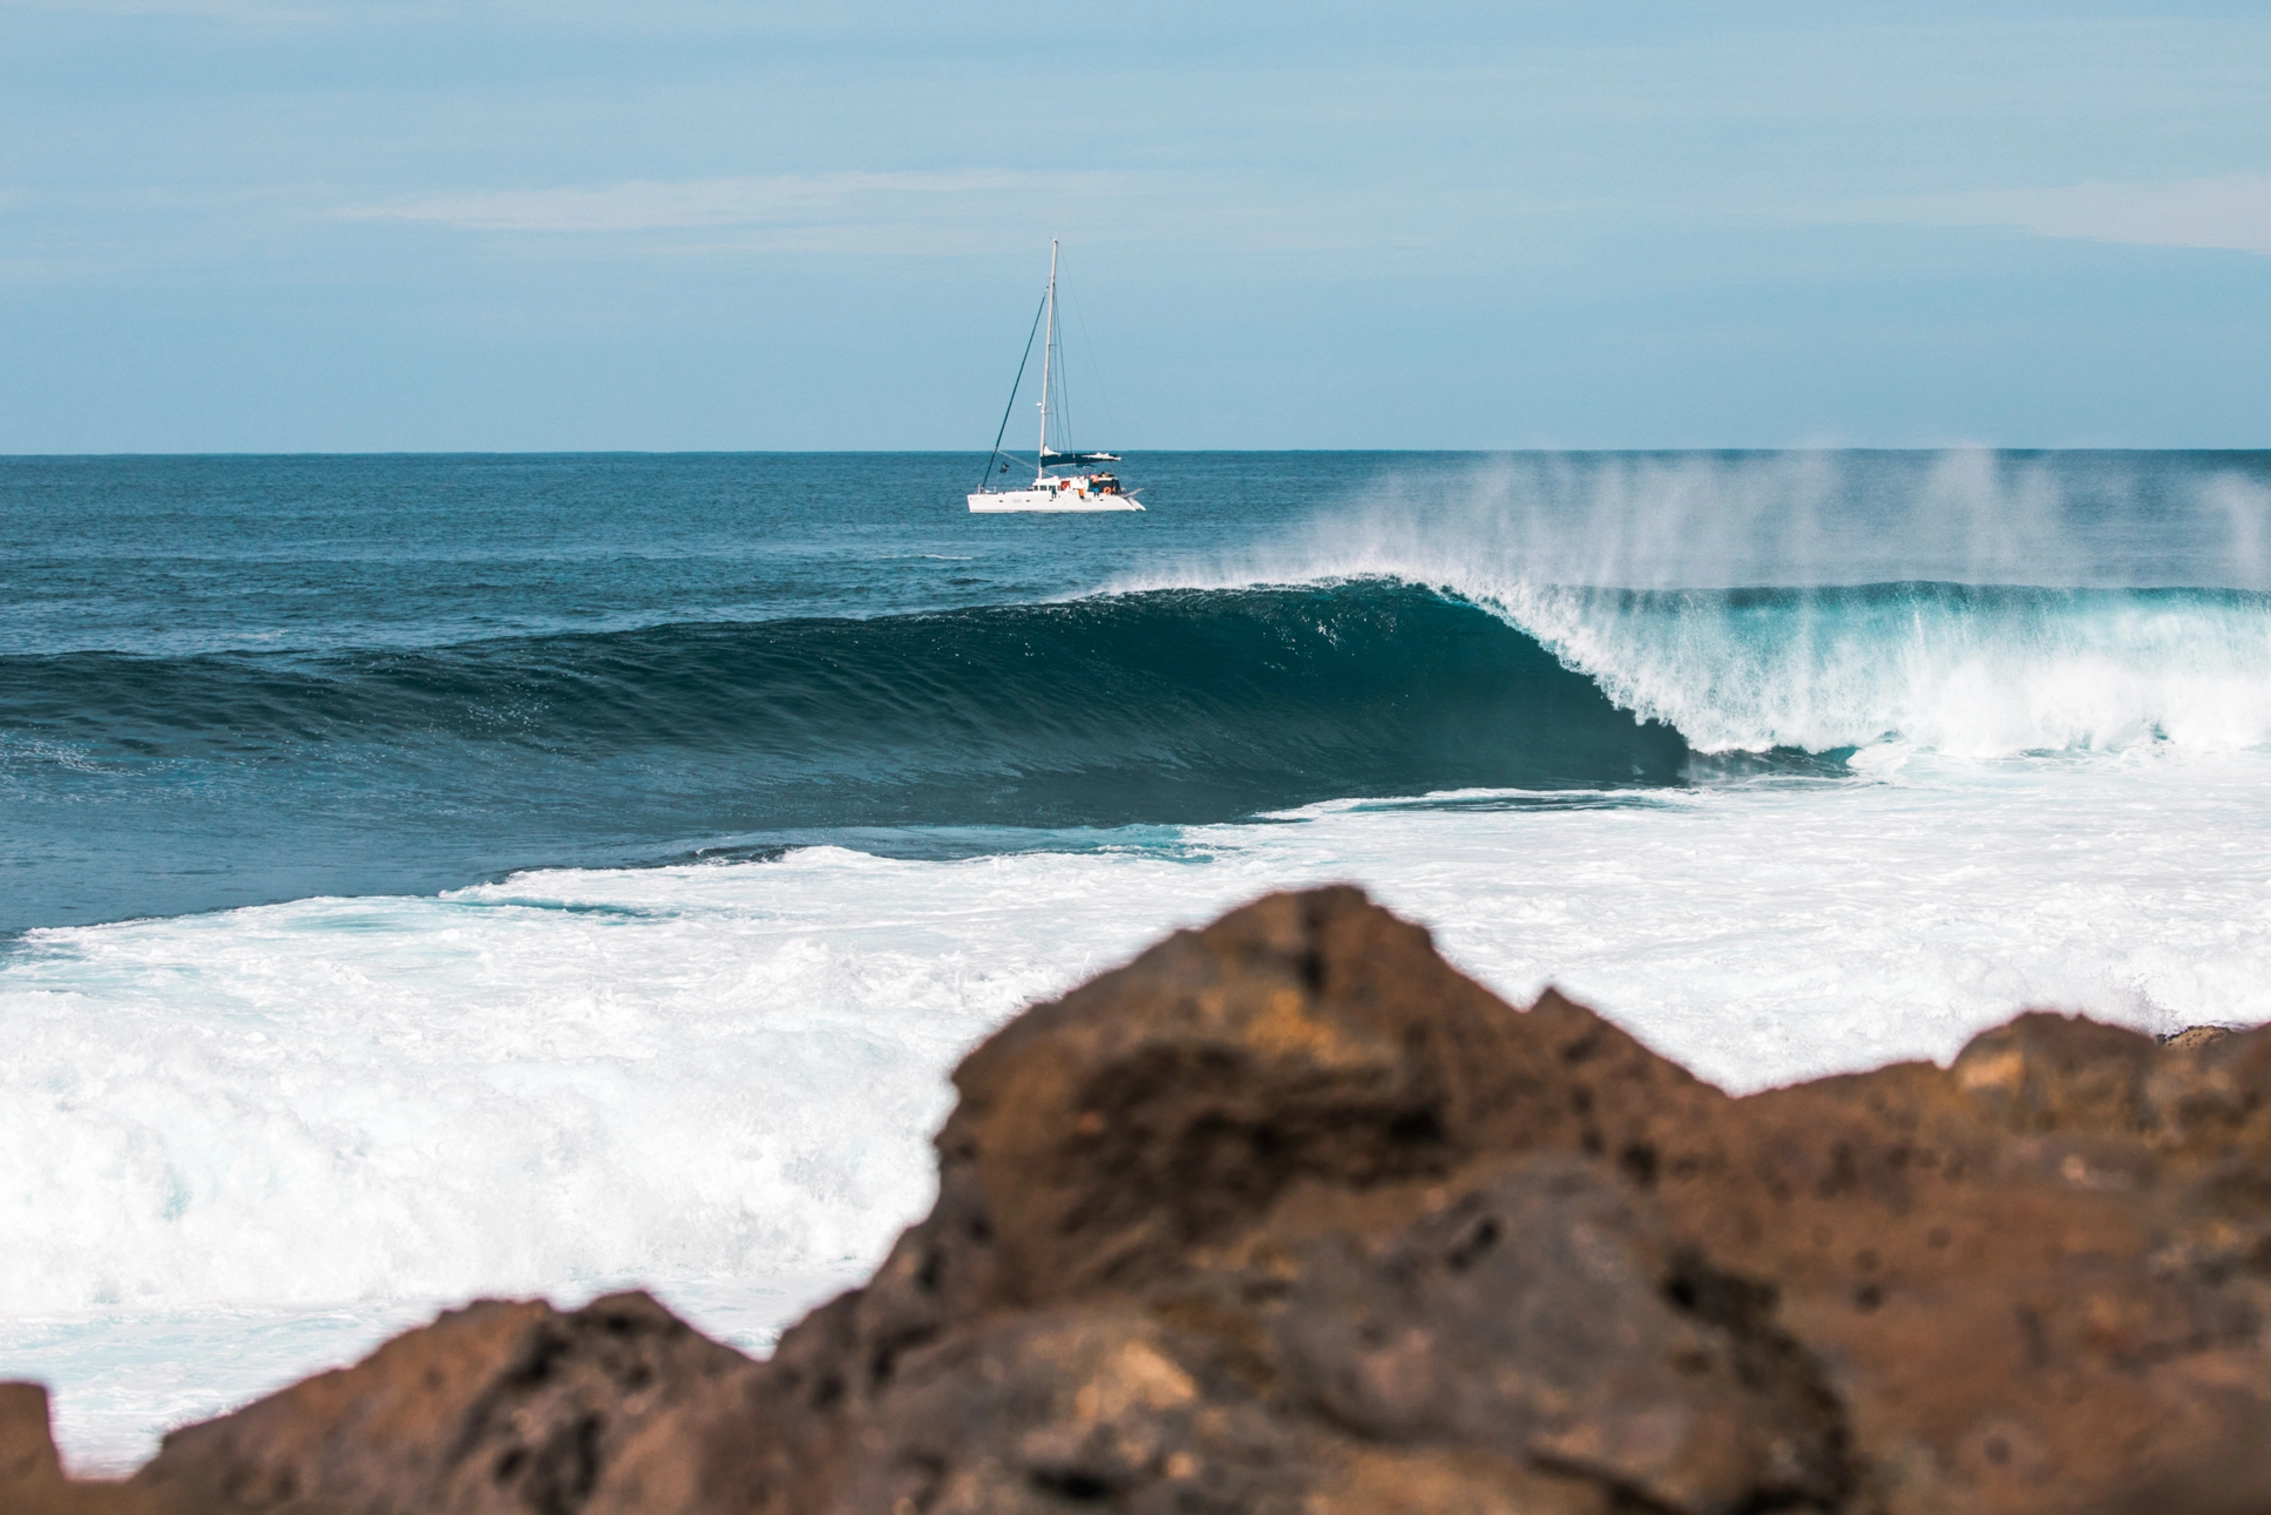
x=222 y=454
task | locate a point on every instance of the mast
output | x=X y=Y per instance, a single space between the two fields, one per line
x=1048 y=346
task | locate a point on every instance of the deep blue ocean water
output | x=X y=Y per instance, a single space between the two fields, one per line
x=427 y=877
x=227 y=680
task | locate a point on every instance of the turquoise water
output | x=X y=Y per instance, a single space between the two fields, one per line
x=230 y=681
x=429 y=877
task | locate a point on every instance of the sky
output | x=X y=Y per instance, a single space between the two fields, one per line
x=391 y=225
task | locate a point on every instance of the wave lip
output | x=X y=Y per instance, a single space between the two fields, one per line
x=1192 y=704
x=429 y=767
x=164 y=785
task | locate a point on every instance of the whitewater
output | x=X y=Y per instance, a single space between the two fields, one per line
x=549 y=915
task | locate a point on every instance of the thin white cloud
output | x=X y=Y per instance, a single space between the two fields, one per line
x=777 y=200
x=258 y=12
x=2233 y=212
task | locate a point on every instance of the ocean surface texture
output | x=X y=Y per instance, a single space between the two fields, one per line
x=435 y=876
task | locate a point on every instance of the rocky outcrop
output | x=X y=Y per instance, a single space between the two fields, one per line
x=1288 y=1215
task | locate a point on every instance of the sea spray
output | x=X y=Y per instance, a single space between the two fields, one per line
x=1779 y=519
x=720 y=1080
x=2022 y=764
x=1966 y=671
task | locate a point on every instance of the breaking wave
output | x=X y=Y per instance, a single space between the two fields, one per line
x=169 y=784
x=1168 y=706
x=1965 y=670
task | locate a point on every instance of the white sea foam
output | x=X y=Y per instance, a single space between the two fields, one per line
x=236 y=1147
x=1954 y=651
x=1970 y=675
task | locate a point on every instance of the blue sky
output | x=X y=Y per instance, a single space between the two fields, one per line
x=254 y=225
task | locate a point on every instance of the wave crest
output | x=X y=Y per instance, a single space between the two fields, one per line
x=1964 y=670
x=1174 y=705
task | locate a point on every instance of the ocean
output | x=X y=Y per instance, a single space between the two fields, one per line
x=426 y=877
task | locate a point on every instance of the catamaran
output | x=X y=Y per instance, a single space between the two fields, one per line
x=1059 y=492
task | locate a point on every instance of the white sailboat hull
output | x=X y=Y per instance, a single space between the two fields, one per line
x=1067 y=501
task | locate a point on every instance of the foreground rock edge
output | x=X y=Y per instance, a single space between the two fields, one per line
x=1289 y=1215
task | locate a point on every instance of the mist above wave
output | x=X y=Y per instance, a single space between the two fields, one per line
x=1794 y=519
x=1974 y=603
x=1962 y=670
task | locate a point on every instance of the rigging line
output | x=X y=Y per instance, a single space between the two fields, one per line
x=1014 y=388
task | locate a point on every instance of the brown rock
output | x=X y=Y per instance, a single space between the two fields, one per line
x=494 y=1407
x=27 y=1445
x=1287 y=1215
x=31 y=1474
x=1546 y=1311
